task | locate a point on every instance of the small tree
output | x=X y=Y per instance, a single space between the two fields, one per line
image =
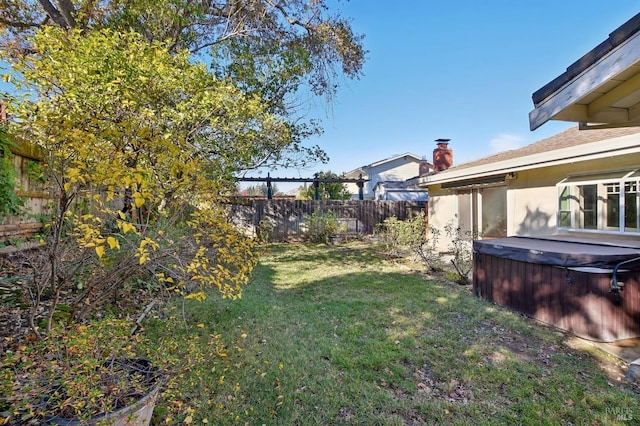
x=260 y=190
x=136 y=152
x=461 y=247
x=328 y=190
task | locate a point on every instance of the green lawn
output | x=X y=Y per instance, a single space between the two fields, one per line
x=338 y=335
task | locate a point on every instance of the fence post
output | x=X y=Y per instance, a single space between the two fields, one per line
x=360 y=184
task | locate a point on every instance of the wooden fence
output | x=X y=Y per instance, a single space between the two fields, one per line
x=26 y=159
x=287 y=217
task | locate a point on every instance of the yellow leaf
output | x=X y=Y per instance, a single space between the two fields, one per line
x=67 y=186
x=188 y=420
x=113 y=243
x=126 y=227
x=122 y=215
x=138 y=199
x=201 y=325
x=200 y=296
x=100 y=251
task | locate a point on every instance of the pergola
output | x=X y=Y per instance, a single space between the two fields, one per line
x=315 y=180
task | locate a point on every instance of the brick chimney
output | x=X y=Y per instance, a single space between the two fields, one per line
x=442 y=155
x=424 y=167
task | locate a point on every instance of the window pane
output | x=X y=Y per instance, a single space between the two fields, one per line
x=631 y=206
x=589 y=198
x=564 y=217
x=613 y=205
x=465 y=220
x=494 y=212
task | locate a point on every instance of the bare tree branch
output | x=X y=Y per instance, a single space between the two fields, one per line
x=55 y=15
x=67 y=10
x=16 y=24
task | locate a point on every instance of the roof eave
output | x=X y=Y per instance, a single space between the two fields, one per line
x=560 y=98
x=624 y=145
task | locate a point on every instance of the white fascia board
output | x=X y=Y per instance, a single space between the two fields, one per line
x=624 y=145
x=363 y=169
x=612 y=64
x=388 y=160
x=354 y=174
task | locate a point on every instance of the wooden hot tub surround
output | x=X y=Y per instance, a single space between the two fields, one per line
x=563 y=282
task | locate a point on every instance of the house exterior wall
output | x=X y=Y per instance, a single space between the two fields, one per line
x=532 y=196
x=398 y=169
x=443 y=208
x=353 y=189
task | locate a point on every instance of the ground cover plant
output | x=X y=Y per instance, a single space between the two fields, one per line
x=341 y=335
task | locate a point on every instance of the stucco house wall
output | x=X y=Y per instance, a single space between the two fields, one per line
x=529 y=182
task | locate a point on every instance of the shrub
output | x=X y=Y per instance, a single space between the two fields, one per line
x=264 y=230
x=412 y=235
x=10 y=203
x=320 y=226
x=461 y=247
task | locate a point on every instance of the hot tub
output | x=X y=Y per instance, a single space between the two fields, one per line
x=564 y=282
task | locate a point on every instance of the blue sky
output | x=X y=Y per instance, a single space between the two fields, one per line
x=463 y=70
x=459 y=69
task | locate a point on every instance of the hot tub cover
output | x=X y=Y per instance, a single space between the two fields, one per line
x=553 y=250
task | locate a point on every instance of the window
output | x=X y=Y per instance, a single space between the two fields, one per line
x=607 y=202
x=494 y=212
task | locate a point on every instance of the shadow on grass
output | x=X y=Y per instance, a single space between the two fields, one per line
x=334 y=335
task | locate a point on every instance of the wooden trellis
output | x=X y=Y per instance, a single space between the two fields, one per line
x=315 y=180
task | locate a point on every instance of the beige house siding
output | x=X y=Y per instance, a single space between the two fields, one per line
x=532 y=197
x=443 y=205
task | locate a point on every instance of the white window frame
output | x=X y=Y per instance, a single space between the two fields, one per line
x=621 y=178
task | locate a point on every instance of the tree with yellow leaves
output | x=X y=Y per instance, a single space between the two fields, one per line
x=139 y=145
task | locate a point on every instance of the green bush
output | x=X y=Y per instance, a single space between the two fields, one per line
x=264 y=230
x=10 y=203
x=411 y=235
x=320 y=225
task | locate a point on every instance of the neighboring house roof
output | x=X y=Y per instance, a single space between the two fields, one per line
x=602 y=87
x=363 y=169
x=568 y=146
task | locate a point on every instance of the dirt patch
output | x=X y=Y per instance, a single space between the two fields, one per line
x=453 y=391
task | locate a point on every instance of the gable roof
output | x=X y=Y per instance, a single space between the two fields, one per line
x=602 y=87
x=567 y=146
x=363 y=169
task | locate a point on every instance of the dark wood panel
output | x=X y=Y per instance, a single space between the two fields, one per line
x=576 y=301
